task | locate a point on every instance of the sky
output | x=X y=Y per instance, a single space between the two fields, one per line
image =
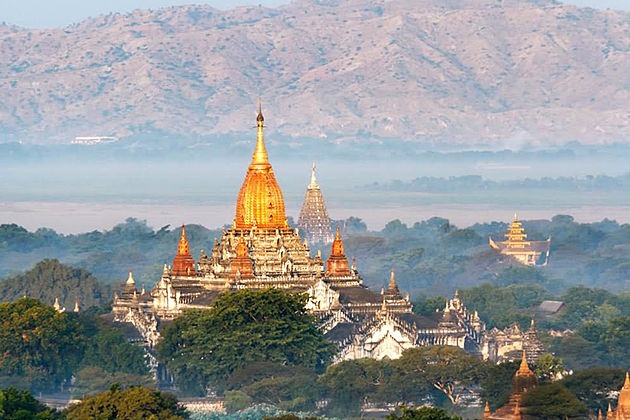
x=51 y=13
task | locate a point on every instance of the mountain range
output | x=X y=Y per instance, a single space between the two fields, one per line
x=434 y=71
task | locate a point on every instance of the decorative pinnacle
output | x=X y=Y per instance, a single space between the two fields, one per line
x=524 y=368
x=130 y=279
x=260 y=152
x=313 y=183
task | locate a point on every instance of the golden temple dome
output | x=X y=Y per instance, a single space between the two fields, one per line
x=260 y=202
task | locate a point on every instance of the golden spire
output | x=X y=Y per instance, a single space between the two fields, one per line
x=599 y=415
x=524 y=370
x=623 y=404
x=609 y=413
x=183 y=247
x=486 y=411
x=313 y=184
x=260 y=152
x=337 y=246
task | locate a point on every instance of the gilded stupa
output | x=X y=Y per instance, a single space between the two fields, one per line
x=517 y=246
x=314 y=221
x=260 y=203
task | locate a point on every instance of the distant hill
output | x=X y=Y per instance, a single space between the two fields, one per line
x=50 y=279
x=459 y=71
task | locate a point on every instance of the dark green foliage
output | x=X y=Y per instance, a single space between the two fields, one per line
x=130 y=403
x=108 y=254
x=20 y=405
x=439 y=375
x=205 y=346
x=428 y=305
x=40 y=347
x=422 y=413
x=92 y=380
x=497 y=383
x=236 y=401
x=595 y=387
x=501 y=306
x=349 y=383
x=447 y=369
x=49 y=279
x=553 y=401
x=109 y=350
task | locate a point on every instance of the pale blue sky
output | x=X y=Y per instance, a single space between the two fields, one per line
x=47 y=13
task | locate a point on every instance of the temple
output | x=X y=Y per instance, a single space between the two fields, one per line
x=526 y=252
x=622 y=411
x=314 y=221
x=260 y=250
x=523 y=381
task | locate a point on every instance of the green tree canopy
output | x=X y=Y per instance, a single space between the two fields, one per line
x=130 y=403
x=50 y=279
x=20 y=405
x=596 y=387
x=422 y=413
x=553 y=401
x=450 y=370
x=204 y=346
x=40 y=346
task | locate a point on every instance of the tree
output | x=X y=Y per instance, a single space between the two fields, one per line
x=553 y=401
x=297 y=392
x=20 y=405
x=130 y=403
x=616 y=341
x=422 y=413
x=93 y=380
x=40 y=346
x=596 y=387
x=449 y=369
x=548 y=366
x=350 y=383
x=497 y=383
x=50 y=279
x=204 y=346
x=236 y=401
x=109 y=350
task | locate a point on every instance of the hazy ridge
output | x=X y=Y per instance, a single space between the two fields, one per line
x=474 y=71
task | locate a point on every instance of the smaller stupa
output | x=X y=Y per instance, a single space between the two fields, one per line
x=314 y=221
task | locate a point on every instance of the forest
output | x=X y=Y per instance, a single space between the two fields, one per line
x=431 y=257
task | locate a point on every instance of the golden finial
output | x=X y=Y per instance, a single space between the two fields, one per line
x=599 y=415
x=486 y=411
x=260 y=152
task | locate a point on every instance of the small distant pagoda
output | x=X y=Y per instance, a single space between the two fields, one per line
x=526 y=252
x=314 y=220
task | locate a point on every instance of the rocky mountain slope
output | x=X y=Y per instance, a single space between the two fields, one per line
x=459 y=71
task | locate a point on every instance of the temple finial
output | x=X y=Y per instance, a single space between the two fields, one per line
x=260 y=152
x=313 y=183
x=130 y=280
